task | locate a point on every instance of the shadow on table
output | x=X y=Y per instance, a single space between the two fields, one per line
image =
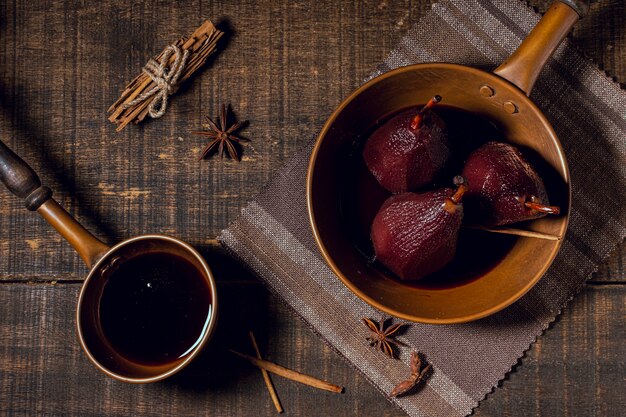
x=35 y=144
x=243 y=306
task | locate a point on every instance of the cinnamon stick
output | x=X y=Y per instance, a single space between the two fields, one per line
x=290 y=374
x=266 y=376
x=200 y=44
x=212 y=242
x=516 y=232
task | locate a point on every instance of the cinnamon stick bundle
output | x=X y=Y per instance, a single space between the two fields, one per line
x=200 y=44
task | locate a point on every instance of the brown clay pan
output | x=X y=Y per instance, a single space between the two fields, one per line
x=502 y=98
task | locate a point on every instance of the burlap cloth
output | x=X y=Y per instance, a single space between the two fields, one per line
x=588 y=112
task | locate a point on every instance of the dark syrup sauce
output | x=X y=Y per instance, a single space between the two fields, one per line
x=477 y=252
x=154 y=308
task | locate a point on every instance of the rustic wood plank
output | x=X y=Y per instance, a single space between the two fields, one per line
x=576 y=369
x=43 y=370
x=286 y=66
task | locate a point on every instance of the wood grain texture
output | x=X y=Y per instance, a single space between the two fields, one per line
x=576 y=369
x=43 y=370
x=285 y=66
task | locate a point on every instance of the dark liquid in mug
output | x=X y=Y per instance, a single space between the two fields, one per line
x=155 y=308
x=477 y=251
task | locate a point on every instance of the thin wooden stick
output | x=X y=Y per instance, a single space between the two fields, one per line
x=266 y=376
x=289 y=374
x=212 y=242
x=516 y=232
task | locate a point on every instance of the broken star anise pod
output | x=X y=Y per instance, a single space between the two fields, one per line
x=222 y=136
x=417 y=375
x=380 y=337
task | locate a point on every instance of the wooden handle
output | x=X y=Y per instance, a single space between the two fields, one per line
x=87 y=245
x=22 y=181
x=525 y=64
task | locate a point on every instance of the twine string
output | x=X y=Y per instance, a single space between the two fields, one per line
x=165 y=78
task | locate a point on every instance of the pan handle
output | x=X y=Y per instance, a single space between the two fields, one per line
x=525 y=64
x=22 y=181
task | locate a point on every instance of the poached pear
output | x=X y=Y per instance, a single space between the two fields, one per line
x=503 y=187
x=409 y=150
x=415 y=234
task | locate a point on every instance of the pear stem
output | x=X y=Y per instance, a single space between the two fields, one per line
x=542 y=208
x=419 y=117
x=458 y=194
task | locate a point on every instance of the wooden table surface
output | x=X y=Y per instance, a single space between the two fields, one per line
x=285 y=66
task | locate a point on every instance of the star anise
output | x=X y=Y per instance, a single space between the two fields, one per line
x=222 y=136
x=381 y=337
x=418 y=374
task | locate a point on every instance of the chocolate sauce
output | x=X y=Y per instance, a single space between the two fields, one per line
x=155 y=307
x=477 y=252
